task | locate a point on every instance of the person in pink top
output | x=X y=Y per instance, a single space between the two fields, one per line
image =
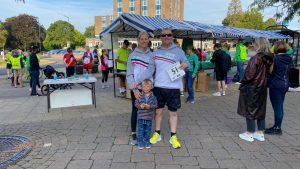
x=104 y=68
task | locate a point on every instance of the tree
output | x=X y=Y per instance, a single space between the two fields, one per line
x=291 y=8
x=89 y=32
x=234 y=14
x=79 y=39
x=59 y=34
x=269 y=22
x=23 y=31
x=252 y=19
x=3 y=35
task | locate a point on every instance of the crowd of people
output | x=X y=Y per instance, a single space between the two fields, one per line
x=264 y=70
x=21 y=63
x=151 y=88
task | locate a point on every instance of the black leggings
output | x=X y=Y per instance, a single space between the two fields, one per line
x=105 y=75
x=251 y=125
x=133 y=113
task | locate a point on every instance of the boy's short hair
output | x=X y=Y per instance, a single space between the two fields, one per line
x=147 y=82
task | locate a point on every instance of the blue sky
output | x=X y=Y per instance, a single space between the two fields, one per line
x=82 y=12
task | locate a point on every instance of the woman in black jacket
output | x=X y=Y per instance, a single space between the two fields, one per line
x=253 y=91
x=279 y=84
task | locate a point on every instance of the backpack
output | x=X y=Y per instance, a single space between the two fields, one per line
x=227 y=62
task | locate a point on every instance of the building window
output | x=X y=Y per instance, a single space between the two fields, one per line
x=111 y=19
x=120 y=10
x=132 y=6
x=103 y=22
x=144 y=7
x=158 y=8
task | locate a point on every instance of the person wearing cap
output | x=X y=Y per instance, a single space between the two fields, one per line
x=240 y=57
x=219 y=59
x=34 y=70
x=17 y=62
x=123 y=55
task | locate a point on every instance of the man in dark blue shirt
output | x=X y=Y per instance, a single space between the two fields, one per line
x=34 y=70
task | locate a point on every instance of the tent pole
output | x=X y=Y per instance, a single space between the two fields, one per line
x=297 y=52
x=201 y=42
x=113 y=57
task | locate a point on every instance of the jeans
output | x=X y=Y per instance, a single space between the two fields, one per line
x=277 y=96
x=133 y=113
x=34 y=75
x=251 y=125
x=144 y=132
x=190 y=85
x=240 y=70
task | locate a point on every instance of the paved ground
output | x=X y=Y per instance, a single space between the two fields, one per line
x=89 y=138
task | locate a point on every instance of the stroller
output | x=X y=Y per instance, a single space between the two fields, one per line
x=49 y=72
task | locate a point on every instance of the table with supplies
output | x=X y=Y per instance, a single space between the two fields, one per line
x=58 y=97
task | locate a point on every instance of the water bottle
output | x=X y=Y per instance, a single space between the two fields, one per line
x=55 y=76
x=86 y=76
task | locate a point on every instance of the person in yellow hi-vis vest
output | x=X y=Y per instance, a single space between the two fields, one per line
x=123 y=55
x=8 y=64
x=240 y=57
x=17 y=63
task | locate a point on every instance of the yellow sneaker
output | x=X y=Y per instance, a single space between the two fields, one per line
x=155 y=138
x=175 y=142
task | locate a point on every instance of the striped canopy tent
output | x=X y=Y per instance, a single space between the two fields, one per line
x=129 y=25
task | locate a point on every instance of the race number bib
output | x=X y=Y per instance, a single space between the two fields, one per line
x=86 y=60
x=175 y=72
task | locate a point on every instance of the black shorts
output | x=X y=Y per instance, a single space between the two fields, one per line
x=220 y=76
x=169 y=97
x=8 y=66
x=70 y=71
x=123 y=72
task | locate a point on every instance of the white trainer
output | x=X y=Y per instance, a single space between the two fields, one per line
x=223 y=93
x=217 y=94
x=246 y=137
x=258 y=136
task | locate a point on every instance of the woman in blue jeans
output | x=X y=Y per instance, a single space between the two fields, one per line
x=191 y=73
x=279 y=84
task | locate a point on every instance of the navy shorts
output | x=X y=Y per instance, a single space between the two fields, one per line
x=8 y=66
x=169 y=97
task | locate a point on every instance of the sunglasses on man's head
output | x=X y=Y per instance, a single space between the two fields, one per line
x=167 y=35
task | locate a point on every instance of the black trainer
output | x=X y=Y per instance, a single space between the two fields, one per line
x=133 y=140
x=273 y=131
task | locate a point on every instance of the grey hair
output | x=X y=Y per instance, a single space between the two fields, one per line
x=141 y=34
x=263 y=45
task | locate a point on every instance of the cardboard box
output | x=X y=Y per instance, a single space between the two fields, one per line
x=202 y=82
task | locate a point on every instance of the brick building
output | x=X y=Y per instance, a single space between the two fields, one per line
x=154 y=8
x=101 y=22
